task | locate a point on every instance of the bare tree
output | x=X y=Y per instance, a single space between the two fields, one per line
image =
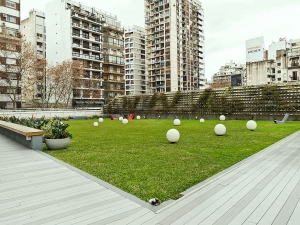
x=37 y=83
x=16 y=58
x=61 y=79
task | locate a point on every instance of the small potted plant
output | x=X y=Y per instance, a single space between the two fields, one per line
x=57 y=136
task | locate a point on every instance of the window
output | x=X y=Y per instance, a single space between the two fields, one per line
x=11 y=19
x=10 y=4
x=10 y=61
x=278 y=71
x=294 y=75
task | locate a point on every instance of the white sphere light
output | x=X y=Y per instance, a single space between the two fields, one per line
x=95 y=124
x=177 y=122
x=220 y=129
x=121 y=118
x=201 y=120
x=138 y=117
x=100 y=120
x=125 y=121
x=222 y=117
x=173 y=135
x=251 y=125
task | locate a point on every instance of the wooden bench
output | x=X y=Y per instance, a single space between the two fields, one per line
x=30 y=137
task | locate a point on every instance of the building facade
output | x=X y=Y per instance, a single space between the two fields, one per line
x=10 y=16
x=175 y=45
x=33 y=29
x=113 y=58
x=231 y=75
x=135 y=60
x=282 y=67
x=293 y=60
x=79 y=32
x=10 y=83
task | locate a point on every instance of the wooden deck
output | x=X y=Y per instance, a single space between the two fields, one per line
x=38 y=189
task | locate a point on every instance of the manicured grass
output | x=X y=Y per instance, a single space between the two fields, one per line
x=138 y=159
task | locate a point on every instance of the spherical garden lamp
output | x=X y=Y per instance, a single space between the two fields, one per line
x=220 y=129
x=177 y=122
x=125 y=121
x=173 y=135
x=138 y=117
x=201 y=120
x=100 y=120
x=95 y=124
x=121 y=118
x=222 y=117
x=251 y=125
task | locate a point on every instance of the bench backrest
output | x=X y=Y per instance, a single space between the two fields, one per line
x=286 y=116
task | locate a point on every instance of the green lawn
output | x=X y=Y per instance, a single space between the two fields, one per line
x=138 y=159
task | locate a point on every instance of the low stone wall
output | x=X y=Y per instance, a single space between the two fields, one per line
x=51 y=114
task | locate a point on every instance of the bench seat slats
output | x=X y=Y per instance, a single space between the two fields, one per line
x=20 y=129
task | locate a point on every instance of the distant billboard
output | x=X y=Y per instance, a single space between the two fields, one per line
x=255 y=49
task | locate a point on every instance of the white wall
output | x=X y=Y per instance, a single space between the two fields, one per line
x=257 y=73
x=58 y=32
x=27 y=30
x=274 y=47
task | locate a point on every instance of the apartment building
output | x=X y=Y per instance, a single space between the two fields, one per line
x=293 y=60
x=33 y=30
x=135 y=55
x=175 y=45
x=282 y=67
x=10 y=84
x=113 y=58
x=10 y=16
x=79 y=32
x=231 y=75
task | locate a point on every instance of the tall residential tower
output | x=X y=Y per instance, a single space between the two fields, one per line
x=76 y=31
x=175 y=45
x=135 y=77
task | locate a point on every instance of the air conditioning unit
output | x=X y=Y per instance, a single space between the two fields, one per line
x=4 y=15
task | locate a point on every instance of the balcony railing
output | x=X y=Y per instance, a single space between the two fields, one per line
x=95 y=48
x=86 y=36
x=294 y=64
x=86 y=56
x=95 y=29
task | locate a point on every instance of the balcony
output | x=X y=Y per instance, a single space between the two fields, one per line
x=93 y=48
x=86 y=36
x=294 y=64
x=87 y=56
x=88 y=18
x=85 y=27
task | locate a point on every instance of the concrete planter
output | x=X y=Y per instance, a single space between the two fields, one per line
x=56 y=144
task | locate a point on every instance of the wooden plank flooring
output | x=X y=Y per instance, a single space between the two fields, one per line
x=37 y=189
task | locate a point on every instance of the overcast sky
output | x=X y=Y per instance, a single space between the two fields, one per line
x=228 y=23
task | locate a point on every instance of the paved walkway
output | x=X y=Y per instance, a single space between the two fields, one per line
x=38 y=189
